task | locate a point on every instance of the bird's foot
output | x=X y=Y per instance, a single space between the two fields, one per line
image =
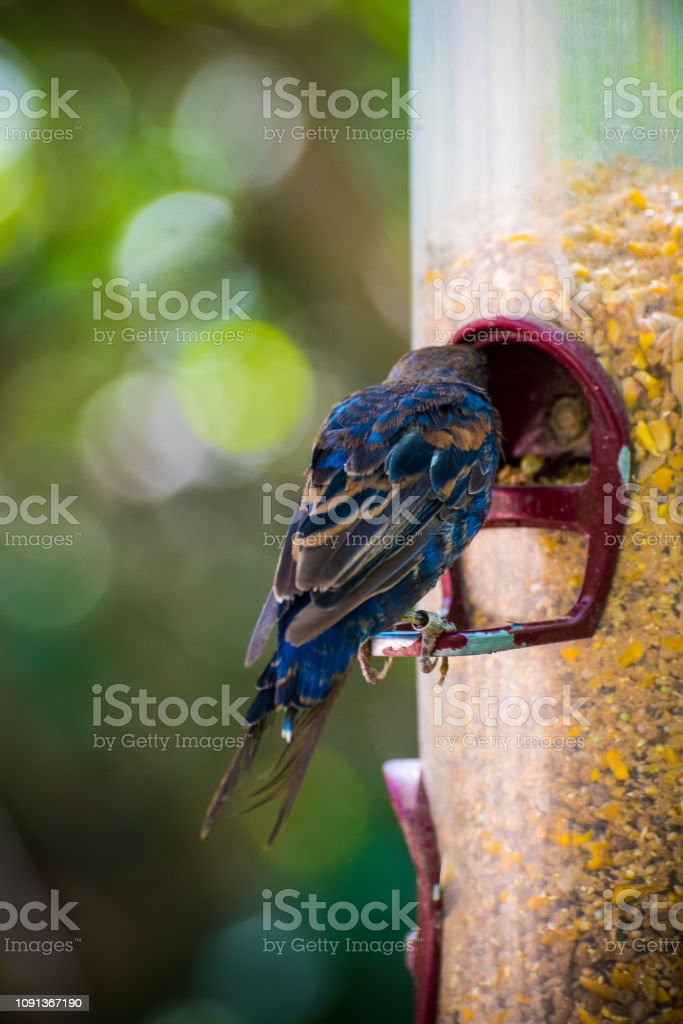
x=431 y=626
x=370 y=674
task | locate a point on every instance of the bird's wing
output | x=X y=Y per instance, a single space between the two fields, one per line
x=262 y=630
x=390 y=463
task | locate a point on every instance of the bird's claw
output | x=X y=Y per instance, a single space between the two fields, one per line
x=431 y=626
x=370 y=674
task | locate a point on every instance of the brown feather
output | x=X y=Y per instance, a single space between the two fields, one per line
x=240 y=767
x=288 y=774
x=262 y=630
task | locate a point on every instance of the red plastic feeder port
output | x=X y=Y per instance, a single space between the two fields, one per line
x=531 y=365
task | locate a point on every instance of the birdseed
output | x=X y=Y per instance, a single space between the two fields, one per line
x=543 y=828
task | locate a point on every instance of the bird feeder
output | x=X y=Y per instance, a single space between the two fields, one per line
x=547 y=227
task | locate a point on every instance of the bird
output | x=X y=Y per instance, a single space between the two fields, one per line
x=399 y=483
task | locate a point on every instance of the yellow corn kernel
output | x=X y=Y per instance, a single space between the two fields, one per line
x=522 y=236
x=622 y=976
x=530 y=465
x=654 y=386
x=669 y=249
x=661 y=433
x=611 y=811
x=639 y=360
x=598 y=988
x=676 y=460
x=646 y=339
x=632 y=654
x=643 y=435
x=644 y=248
x=631 y=389
x=614 y=761
x=602 y=234
x=653 y=990
x=663 y=478
x=613 y=333
x=571 y=653
x=585 y=1017
x=598 y=851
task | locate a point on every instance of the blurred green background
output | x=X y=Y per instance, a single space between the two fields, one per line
x=167 y=179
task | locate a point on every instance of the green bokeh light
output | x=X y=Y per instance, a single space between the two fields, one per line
x=175 y=232
x=304 y=845
x=218 y=126
x=168 y=177
x=248 y=397
x=233 y=968
x=49 y=588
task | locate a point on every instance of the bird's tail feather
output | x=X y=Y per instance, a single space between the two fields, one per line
x=240 y=767
x=288 y=772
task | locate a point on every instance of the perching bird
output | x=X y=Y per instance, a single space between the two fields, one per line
x=399 y=483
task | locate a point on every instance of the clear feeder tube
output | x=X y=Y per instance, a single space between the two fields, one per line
x=547 y=182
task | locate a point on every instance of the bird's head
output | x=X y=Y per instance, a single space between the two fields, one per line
x=442 y=362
